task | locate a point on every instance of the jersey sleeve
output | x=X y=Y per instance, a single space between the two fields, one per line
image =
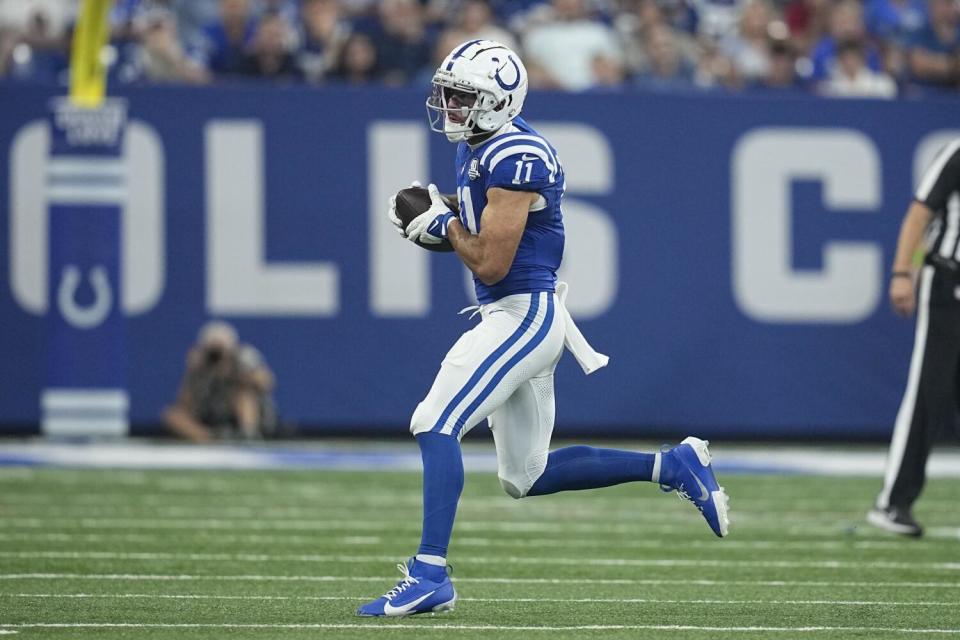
x=941 y=178
x=522 y=166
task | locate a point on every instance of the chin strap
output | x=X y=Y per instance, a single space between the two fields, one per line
x=479 y=138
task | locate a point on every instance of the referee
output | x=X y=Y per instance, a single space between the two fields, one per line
x=930 y=401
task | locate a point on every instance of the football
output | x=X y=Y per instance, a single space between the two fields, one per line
x=413 y=201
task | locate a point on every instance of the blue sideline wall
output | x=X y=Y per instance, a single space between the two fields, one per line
x=729 y=254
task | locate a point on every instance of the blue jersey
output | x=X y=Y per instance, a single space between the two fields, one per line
x=518 y=159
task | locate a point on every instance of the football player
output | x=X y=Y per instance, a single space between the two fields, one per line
x=509 y=232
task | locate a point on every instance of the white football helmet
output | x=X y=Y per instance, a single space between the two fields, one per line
x=478 y=88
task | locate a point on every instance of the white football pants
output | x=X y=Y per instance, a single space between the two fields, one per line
x=502 y=370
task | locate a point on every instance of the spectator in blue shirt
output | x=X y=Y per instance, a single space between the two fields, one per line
x=403 y=44
x=447 y=41
x=323 y=31
x=846 y=23
x=229 y=37
x=896 y=20
x=666 y=68
x=269 y=57
x=935 y=50
x=357 y=63
x=512 y=12
x=781 y=77
x=158 y=53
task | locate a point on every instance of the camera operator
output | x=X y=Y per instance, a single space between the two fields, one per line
x=226 y=390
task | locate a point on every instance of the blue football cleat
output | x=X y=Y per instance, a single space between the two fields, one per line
x=415 y=593
x=693 y=480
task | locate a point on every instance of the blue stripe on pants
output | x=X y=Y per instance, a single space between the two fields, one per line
x=505 y=369
x=488 y=362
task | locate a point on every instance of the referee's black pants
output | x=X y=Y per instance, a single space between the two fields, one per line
x=930 y=401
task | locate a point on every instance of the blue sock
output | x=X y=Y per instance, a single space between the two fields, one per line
x=579 y=467
x=442 y=484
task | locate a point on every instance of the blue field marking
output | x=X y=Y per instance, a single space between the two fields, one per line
x=367 y=456
x=13 y=460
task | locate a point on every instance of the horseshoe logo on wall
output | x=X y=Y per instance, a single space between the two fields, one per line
x=94 y=313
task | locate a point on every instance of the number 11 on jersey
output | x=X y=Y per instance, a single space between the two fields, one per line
x=520 y=164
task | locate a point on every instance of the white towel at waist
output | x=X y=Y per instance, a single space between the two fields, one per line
x=589 y=359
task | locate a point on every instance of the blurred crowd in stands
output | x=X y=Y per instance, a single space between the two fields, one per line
x=868 y=48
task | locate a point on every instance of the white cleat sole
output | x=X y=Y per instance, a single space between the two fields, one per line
x=721 y=502
x=446 y=607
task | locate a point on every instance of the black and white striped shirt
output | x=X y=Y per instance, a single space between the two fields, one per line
x=940 y=190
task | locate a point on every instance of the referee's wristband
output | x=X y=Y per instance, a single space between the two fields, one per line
x=901 y=274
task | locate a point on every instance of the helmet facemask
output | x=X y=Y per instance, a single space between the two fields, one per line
x=458 y=111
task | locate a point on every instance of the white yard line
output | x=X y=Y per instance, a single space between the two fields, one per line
x=682 y=524
x=772 y=545
x=597 y=510
x=397 y=625
x=320 y=500
x=564 y=581
x=473 y=541
x=549 y=560
x=679 y=522
x=182 y=596
x=666 y=514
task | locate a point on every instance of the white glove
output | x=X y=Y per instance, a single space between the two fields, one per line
x=392 y=210
x=430 y=227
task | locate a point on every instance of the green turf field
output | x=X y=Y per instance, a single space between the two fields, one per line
x=290 y=554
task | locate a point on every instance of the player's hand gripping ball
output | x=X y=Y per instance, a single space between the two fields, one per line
x=409 y=204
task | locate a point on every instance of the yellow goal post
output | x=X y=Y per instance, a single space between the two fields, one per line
x=88 y=73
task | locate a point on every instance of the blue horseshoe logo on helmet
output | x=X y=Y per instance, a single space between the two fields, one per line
x=516 y=70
